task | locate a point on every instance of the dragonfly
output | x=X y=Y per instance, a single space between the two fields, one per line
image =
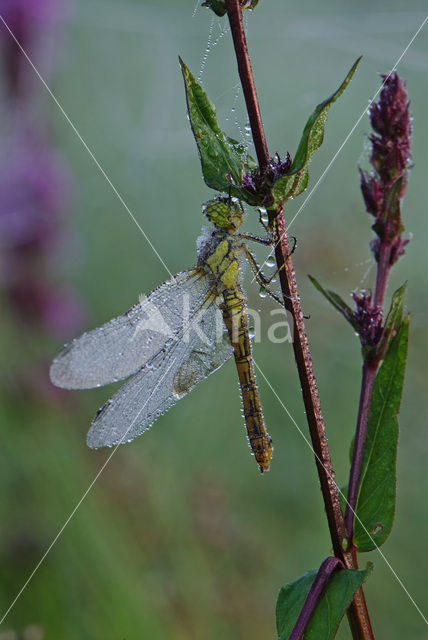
x=175 y=337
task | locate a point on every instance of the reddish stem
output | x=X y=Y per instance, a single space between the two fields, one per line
x=291 y=298
x=383 y=269
x=323 y=576
x=247 y=80
x=311 y=400
x=358 y=615
x=367 y=382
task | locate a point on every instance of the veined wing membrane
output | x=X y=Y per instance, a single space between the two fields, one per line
x=188 y=358
x=123 y=345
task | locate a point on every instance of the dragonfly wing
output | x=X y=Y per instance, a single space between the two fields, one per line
x=187 y=360
x=122 y=346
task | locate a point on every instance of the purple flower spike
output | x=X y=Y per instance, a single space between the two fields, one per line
x=372 y=193
x=368 y=317
x=384 y=189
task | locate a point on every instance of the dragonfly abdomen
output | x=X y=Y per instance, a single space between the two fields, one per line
x=235 y=318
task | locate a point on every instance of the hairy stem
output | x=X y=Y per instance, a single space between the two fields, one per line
x=358 y=615
x=291 y=299
x=311 y=400
x=234 y=13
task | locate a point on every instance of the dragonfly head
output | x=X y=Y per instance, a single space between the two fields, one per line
x=224 y=212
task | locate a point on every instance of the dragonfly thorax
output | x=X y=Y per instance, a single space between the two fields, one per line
x=224 y=212
x=220 y=255
x=219 y=248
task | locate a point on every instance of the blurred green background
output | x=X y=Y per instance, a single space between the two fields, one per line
x=181 y=537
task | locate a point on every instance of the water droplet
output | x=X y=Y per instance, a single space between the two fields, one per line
x=262 y=292
x=263 y=215
x=270 y=261
x=251 y=332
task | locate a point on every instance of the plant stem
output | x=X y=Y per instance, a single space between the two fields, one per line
x=324 y=573
x=234 y=13
x=311 y=400
x=367 y=382
x=291 y=299
x=383 y=269
x=358 y=615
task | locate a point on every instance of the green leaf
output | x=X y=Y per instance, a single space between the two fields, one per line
x=338 y=303
x=330 y=609
x=375 y=507
x=223 y=159
x=219 y=8
x=393 y=319
x=312 y=138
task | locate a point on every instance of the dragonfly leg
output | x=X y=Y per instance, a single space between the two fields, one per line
x=261 y=279
x=269 y=240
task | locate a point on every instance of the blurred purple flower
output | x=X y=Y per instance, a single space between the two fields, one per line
x=34 y=186
x=35 y=190
x=29 y=21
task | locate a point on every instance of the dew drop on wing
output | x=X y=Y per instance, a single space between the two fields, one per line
x=270 y=261
x=103 y=408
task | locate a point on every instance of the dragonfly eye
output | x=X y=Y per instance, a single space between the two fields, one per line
x=224 y=212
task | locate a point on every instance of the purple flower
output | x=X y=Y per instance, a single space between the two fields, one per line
x=368 y=319
x=29 y=21
x=35 y=190
x=372 y=193
x=384 y=189
x=259 y=183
